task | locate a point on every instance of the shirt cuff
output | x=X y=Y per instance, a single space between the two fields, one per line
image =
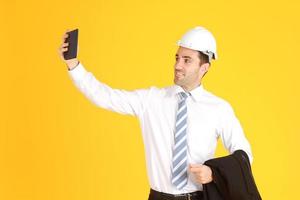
x=78 y=72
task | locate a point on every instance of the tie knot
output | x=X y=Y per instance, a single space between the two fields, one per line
x=184 y=95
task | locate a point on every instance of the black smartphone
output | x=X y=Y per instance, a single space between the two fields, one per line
x=72 y=39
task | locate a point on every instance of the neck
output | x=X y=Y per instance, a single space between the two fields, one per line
x=189 y=88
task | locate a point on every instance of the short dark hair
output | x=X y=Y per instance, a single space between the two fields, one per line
x=203 y=58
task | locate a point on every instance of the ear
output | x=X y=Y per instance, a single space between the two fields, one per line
x=204 y=67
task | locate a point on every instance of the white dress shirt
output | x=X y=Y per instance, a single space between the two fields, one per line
x=209 y=117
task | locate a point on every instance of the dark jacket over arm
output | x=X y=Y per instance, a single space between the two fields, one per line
x=232 y=178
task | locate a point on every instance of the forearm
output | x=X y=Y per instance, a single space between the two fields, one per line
x=101 y=94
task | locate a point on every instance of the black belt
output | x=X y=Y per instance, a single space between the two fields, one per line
x=198 y=195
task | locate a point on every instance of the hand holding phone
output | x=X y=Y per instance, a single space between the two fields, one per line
x=72 y=40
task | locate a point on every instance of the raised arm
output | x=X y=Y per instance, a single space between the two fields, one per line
x=117 y=100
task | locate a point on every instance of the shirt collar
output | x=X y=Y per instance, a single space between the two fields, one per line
x=195 y=93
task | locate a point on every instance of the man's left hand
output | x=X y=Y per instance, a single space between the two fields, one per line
x=202 y=173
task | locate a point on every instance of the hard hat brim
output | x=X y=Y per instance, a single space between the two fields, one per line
x=179 y=43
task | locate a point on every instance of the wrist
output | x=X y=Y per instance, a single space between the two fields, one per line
x=72 y=65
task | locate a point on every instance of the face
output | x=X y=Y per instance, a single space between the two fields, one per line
x=187 y=69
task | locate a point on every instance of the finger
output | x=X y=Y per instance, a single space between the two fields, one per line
x=195 y=165
x=195 y=169
x=65 y=44
x=64 y=37
x=200 y=180
x=64 y=49
x=59 y=52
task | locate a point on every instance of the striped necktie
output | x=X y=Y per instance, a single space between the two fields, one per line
x=179 y=171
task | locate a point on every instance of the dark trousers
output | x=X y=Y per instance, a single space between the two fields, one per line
x=154 y=195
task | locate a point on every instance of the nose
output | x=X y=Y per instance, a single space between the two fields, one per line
x=178 y=66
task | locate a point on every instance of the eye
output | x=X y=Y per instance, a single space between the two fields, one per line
x=187 y=60
x=176 y=58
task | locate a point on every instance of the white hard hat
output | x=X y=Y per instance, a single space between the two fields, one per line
x=200 y=39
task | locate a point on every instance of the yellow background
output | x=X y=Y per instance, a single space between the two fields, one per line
x=55 y=144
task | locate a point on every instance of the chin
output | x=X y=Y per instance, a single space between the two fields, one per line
x=177 y=82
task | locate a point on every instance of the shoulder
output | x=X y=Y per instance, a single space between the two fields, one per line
x=162 y=91
x=222 y=104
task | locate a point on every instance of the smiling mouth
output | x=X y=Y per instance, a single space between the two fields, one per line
x=178 y=74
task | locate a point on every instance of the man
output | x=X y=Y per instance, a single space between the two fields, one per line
x=180 y=123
